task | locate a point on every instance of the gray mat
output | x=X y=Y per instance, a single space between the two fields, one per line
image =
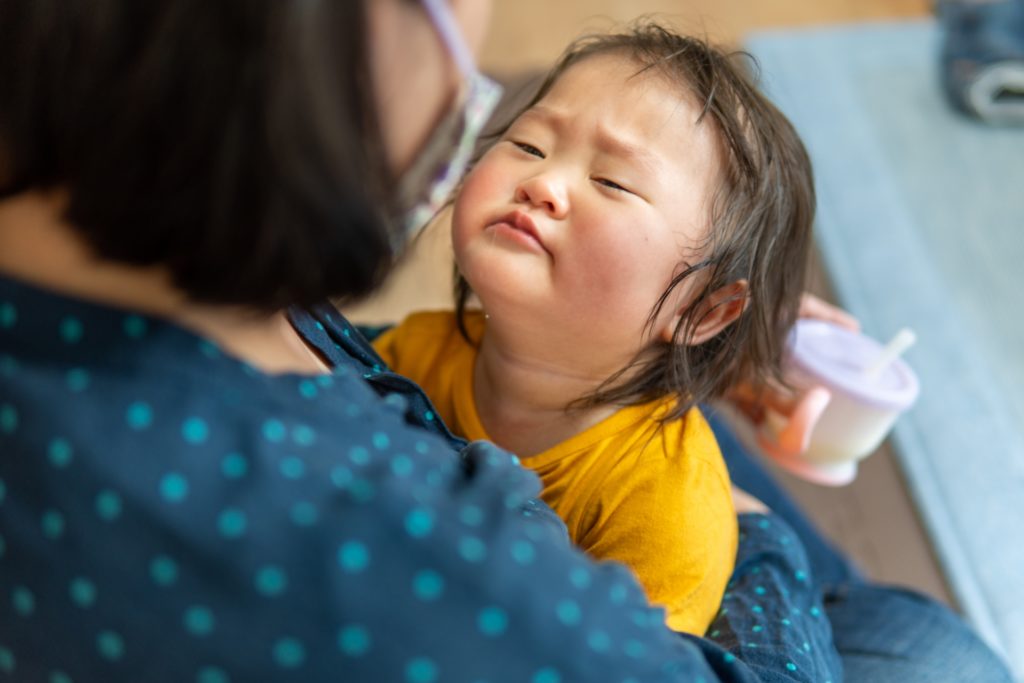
x=921 y=223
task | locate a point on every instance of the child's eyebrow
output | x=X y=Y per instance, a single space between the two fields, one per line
x=607 y=141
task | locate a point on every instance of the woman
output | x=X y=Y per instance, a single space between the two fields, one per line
x=186 y=492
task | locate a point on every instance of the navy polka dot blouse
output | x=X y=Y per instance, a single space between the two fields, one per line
x=168 y=513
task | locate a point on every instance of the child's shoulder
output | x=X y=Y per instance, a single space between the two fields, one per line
x=425 y=337
x=438 y=322
x=688 y=439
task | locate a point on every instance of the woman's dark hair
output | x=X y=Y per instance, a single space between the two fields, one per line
x=233 y=142
x=761 y=219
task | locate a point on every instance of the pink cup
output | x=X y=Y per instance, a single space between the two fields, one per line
x=863 y=406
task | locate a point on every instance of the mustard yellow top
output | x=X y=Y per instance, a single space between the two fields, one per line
x=652 y=495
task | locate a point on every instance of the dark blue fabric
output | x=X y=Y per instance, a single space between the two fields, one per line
x=168 y=513
x=884 y=634
x=828 y=565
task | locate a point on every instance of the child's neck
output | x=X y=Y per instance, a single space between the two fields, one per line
x=521 y=398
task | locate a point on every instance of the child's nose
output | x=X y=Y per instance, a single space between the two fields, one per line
x=545 y=192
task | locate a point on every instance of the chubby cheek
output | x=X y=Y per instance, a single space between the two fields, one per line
x=620 y=275
x=483 y=190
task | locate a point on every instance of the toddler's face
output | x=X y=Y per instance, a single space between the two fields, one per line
x=587 y=206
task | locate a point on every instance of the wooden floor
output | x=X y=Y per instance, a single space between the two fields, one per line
x=873 y=518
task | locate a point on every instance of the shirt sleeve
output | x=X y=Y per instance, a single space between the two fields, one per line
x=674 y=525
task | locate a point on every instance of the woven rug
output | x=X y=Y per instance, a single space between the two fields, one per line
x=921 y=224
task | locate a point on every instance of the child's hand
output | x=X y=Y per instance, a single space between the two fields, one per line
x=794 y=414
x=818 y=309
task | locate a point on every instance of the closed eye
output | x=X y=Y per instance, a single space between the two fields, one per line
x=529 y=149
x=612 y=185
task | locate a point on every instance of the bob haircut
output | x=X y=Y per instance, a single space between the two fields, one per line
x=232 y=142
x=761 y=225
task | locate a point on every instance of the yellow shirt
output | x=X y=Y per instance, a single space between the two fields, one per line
x=655 y=496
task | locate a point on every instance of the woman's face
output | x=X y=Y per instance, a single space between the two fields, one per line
x=414 y=78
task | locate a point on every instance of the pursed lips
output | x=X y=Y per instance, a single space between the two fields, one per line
x=521 y=221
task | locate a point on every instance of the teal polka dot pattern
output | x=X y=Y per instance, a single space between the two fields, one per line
x=292 y=468
x=52 y=524
x=274 y=431
x=402 y=465
x=568 y=612
x=139 y=415
x=428 y=585
x=289 y=653
x=135 y=327
x=146 y=472
x=173 y=487
x=523 y=552
x=271 y=581
x=359 y=455
x=71 y=330
x=421 y=670
x=580 y=578
x=110 y=645
x=77 y=380
x=308 y=389
x=471 y=515
x=354 y=640
x=195 y=431
x=83 y=592
x=209 y=349
x=304 y=435
x=341 y=477
x=163 y=570
x=198 y=620
x=60 y=453
x=353 y=557
x=635 y=649
x=234 y=466
x=8 y=315
x=492 y=621
x=23 y=601
x=419 y=522
x=304 y=513
x=547 y=675
x=472 y=549
x=108 y=505
x=599 y=641
x=212 y=674
x=8 y=418
x=8 y=366
x=232 y=523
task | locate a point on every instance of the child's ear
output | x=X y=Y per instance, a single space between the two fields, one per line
x=715 y=314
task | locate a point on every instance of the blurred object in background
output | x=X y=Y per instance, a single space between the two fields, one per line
x=983 y=57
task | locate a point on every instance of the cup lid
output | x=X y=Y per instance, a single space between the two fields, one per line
x=839 y=358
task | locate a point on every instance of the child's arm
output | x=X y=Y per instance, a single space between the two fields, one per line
x=673 y=523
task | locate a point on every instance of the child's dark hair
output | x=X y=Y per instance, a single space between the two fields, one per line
x=761 y=217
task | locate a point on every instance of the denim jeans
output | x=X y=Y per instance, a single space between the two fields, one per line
x=882 y=633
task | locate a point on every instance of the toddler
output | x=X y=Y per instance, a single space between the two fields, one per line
x=637 y=239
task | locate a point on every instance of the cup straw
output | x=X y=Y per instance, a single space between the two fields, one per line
x=903 y=340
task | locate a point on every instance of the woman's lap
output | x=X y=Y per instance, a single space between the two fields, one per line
x=882 y=633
